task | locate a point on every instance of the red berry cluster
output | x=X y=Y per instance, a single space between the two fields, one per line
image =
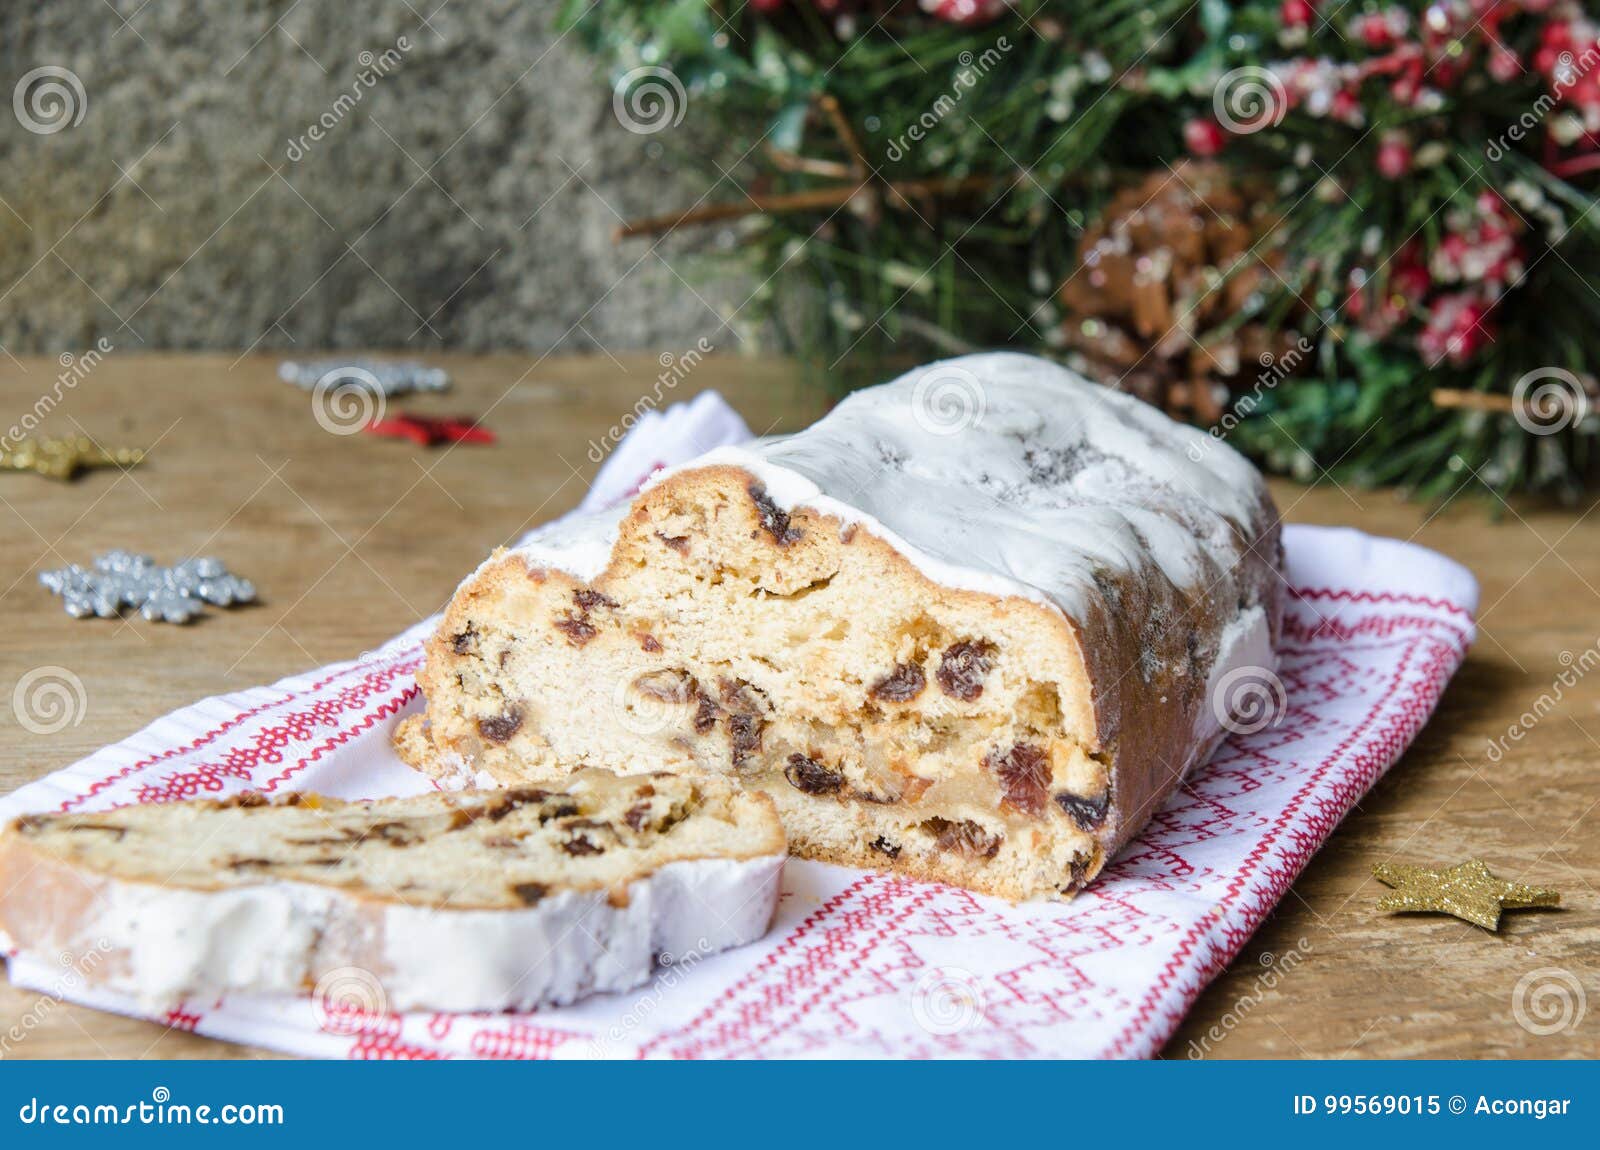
x=1417 y=61
x=1568 y=58
x=1449 y=287
x=1451 y=290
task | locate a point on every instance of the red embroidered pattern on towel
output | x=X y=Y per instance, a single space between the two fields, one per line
x=858 y=962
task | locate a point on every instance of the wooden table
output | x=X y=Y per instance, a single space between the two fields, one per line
x=351 y=538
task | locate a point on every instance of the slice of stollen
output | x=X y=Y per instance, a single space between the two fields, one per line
x=481 y=900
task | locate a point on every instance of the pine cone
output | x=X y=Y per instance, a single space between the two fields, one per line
x=1171 y=259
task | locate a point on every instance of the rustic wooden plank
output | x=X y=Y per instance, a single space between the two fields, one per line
x=350 y=538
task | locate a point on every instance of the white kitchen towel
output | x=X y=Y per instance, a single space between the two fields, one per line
x=862 y=964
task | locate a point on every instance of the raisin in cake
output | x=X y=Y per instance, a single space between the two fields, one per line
x=976 y=643
x=479 y=901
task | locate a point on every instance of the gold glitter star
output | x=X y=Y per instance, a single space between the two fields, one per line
x=64 y=458
x=1466 y=890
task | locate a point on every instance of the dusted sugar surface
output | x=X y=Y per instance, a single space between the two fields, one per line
x=1000 y=473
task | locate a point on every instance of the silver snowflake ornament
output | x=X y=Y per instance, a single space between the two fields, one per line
x=121 y=579
x=383 y=378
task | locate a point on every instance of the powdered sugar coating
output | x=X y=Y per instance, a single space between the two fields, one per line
x=1035 y=483
x=279 y=938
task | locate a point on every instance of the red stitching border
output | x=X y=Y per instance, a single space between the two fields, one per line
x=1394 y=735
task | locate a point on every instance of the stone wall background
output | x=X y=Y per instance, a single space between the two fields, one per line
x=466 y=201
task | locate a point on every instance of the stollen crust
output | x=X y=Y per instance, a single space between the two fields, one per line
x=974 y=625
x=490 y=900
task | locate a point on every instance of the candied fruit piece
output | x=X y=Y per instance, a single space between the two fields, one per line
x=740 y=696
x=900 y=685
x=1088 y=813
x=808 y=775
x=963 y=837
x=1024 y=775
x=744 y=736
x=912 y=787
x=500 y=728
x=529 y=893
x=587 y=600
x=576 y=628
x=745 y=722
x=774 y=519
x=963 y=667
x=706 y=714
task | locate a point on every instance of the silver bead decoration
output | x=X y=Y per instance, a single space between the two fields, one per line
x=121 y=579
x=387 y=378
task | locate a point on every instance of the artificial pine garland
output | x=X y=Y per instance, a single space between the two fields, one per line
x=1355 y=238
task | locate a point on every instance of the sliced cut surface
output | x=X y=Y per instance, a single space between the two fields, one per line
x=466 y=901
x=893 y=723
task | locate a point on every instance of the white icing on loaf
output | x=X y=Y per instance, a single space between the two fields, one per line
x=1043 y=481
x=1116 y=567
x=275 y=938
